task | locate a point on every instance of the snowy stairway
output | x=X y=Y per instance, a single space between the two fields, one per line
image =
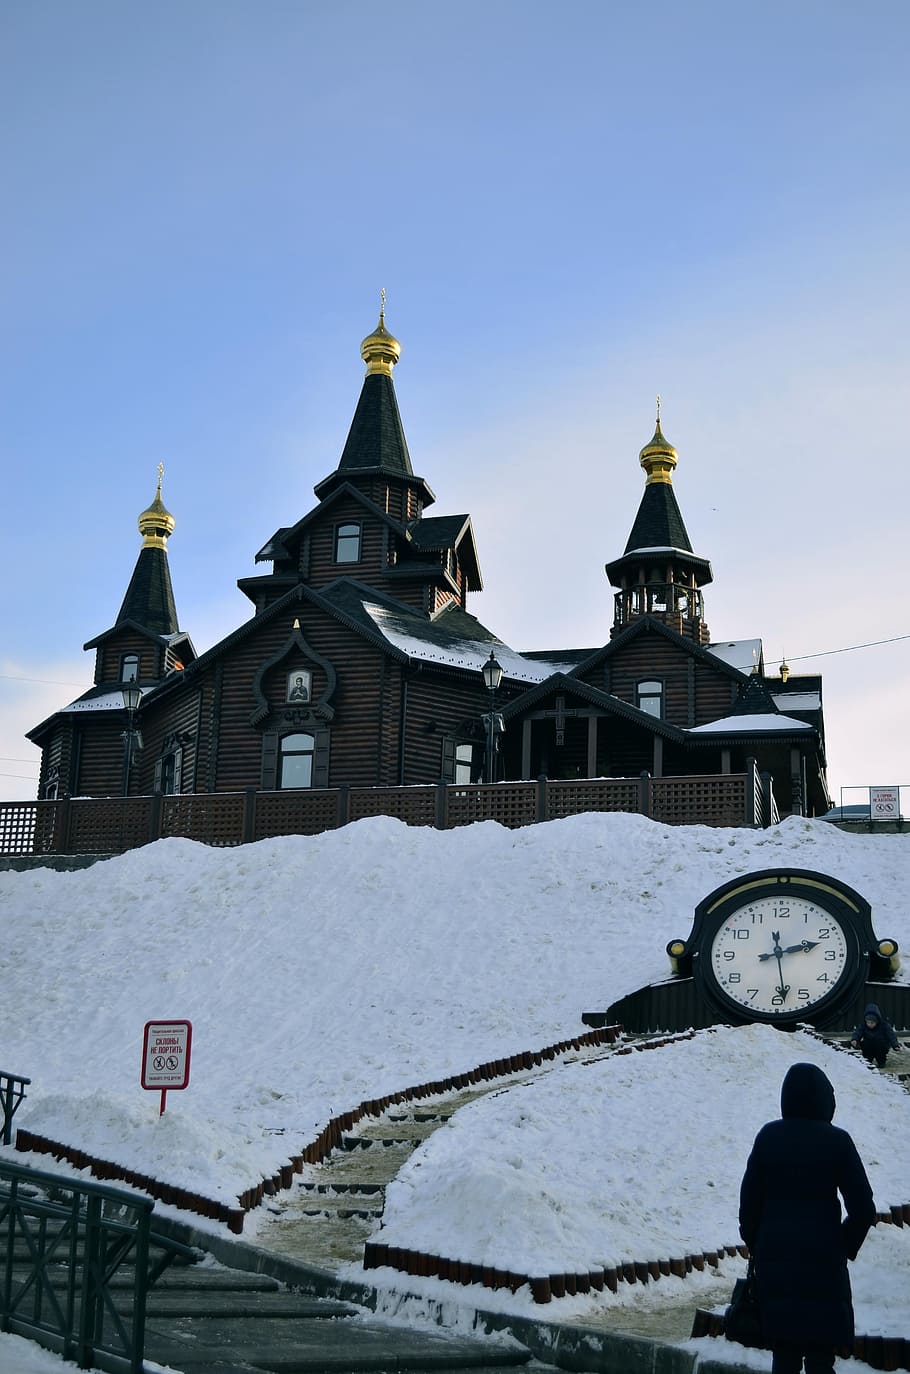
x=334 y=1207
x=208 y=1319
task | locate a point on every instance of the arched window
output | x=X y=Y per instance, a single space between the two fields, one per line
x=295 y=767
x=649 y=696
x=347 y=544
x=129 y=668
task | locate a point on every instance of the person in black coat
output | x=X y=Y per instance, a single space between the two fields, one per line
x=790 y=1218
x=874 y=1036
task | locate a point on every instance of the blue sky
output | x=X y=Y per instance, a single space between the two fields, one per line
x=571 y=209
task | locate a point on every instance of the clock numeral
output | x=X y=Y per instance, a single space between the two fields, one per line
x=781 y=912
x=777 y=1000
x=830 y=955
x=741 y=933
x=735 y=978
x=751 y=993
x=803 y=994
x=824 y=932
x=729 y=953
x=823 y=978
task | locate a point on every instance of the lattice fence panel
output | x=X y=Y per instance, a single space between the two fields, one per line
x=414 y=805
x=511 y=805
x=109 y=825
x=19 y=827
x=709 y=800
x=213 y=818
x=295 y=813
x=598 y=794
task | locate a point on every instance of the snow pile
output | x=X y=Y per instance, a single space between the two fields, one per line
x=633 y=1157
x=320 y=971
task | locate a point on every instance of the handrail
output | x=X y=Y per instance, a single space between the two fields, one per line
x=12 y=1092
x=62 y=1241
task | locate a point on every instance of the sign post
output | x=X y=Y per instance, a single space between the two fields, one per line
x=166 y=1047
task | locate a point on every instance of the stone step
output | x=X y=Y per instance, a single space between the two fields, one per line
x=294 y=1346
x=365 y=1190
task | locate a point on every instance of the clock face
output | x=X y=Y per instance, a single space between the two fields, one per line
x=778 y=957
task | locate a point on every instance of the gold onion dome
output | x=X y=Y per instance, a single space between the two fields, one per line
x=156 y=524
x=380 y=350
x=658 y=458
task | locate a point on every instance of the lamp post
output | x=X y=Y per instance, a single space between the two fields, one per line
x=132 y=695
x=492 y=676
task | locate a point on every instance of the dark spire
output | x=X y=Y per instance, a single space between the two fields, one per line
x=376 y=442
x=658 y=574
x=376 y=438
x=658 y=523
x=149 y=599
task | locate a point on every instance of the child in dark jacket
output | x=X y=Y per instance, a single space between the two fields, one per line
x=874 y=1036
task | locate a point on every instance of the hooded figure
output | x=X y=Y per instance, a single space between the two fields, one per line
x=790 y=1218
x=874 y=1036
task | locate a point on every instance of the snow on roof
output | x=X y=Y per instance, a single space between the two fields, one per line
x=748 y=725
x=105 y=701
x=453 y=652
x=798 y=701
x=660 y=548
x=739 y=653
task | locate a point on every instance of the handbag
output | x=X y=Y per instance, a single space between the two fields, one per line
x=742 y=1319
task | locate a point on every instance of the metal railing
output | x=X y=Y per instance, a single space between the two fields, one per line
x=111 y=825
x=12 y=1091
x=76 y=1267
x=876 y=804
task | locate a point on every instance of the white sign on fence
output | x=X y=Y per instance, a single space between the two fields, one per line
x=885 y=803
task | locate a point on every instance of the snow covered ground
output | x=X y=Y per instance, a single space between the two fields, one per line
x=322 y=971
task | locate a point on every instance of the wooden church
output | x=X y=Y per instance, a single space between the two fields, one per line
x=361 y=665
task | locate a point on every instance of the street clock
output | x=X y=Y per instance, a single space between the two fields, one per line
x=782 y=946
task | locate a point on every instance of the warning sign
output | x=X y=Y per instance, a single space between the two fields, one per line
x=885 y=803
x=166 y=1054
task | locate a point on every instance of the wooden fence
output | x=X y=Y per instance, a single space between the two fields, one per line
x=112 y=825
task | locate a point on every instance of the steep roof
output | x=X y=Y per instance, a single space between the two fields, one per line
x=149 y=599
x=658 y=523
x=658 y=526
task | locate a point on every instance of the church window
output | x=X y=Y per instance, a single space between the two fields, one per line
x=464 y=762
x=129 y=668
x=649 y=696
x=461 y=762
x=296 y=760
x=347 y=543
x=169 y=769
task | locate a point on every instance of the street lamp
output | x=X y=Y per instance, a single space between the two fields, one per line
x=132 y=695
x=492 y=676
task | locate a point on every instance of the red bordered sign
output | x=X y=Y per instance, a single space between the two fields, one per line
x=166 y=1048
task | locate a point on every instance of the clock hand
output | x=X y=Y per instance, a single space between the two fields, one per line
x=776 y=952
x=782 y=987
x=802 y=948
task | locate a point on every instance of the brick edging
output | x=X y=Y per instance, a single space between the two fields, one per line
x=880 y=1352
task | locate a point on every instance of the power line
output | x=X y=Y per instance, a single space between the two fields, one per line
x=849 y=648
x=46 y=681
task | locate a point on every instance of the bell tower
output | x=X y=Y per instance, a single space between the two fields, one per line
x=658 y=575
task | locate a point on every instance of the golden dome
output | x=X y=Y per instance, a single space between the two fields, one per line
x=658 y=458
x=380 y=350
x=156 y=524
